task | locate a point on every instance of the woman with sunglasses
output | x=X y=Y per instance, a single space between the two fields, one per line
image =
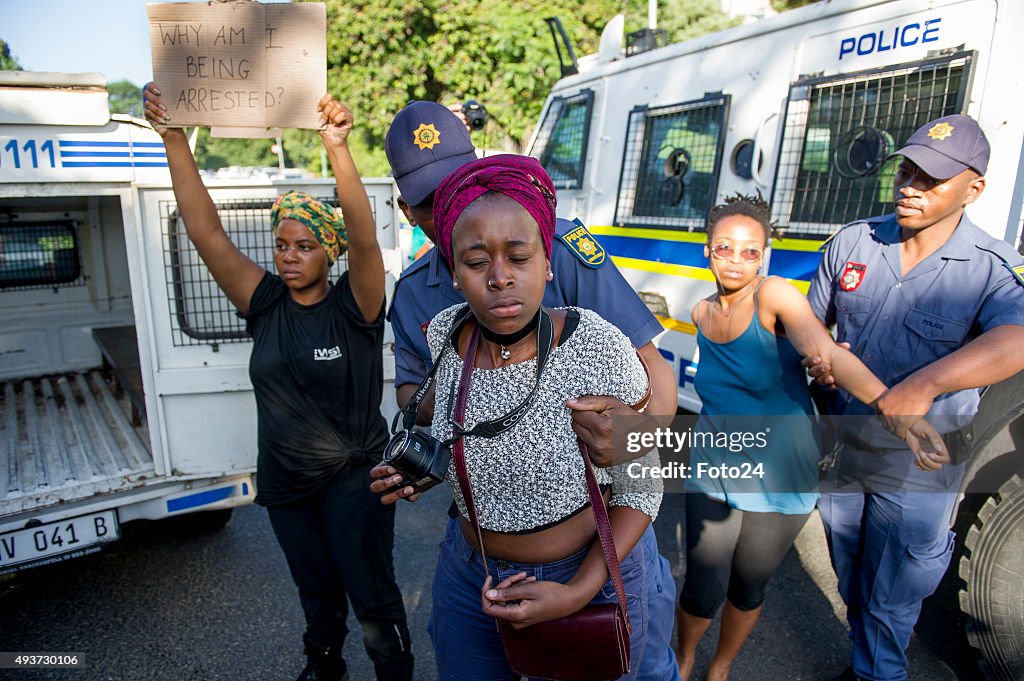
x=494 y=219
x=756 y=409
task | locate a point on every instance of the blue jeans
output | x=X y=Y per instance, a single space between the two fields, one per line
x=889 y=549
x=658 y=662
x=466 y=642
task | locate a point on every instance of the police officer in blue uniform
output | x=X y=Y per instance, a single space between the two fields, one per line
x=425 y=143
x=934 y=306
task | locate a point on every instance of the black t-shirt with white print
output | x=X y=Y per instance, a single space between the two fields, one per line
x=317 y=371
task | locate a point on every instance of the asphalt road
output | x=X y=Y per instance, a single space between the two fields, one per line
x=168 y=603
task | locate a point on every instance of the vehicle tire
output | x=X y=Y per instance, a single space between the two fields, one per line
x=993 y=592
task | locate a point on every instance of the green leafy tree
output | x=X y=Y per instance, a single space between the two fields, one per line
x=7 y=61
x=220 y=152
x=685 y=19
x=384 y=53
x=125 y=97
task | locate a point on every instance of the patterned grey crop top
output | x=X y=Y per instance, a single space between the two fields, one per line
x=531 y=476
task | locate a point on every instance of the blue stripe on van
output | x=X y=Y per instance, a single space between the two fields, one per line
x=199 y=499
x=111 y=164
x=97 y=154
x=656 y=250
x=800 y=265
x=94 y=154
x=112 y=154
x=86 y=143
x=76 y=143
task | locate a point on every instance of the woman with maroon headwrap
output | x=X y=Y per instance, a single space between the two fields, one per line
x=494 y=221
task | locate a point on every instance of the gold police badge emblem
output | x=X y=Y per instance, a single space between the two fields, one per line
x=940 y=131
x=426 y=136
x=588 y=247
x=584 y=246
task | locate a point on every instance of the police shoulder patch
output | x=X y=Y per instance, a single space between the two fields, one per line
x=1017 y=272
x=584 y=246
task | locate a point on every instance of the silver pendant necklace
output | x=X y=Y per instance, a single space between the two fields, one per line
x=503 y=340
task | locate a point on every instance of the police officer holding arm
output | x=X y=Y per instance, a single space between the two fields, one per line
x=932 y=305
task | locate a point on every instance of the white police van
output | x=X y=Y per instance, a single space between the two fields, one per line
x=803 y=107
x=124 y=388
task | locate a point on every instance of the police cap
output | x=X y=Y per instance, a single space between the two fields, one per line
x=424 y=144
x=947 y=146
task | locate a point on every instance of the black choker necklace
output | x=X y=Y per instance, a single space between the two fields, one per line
x=506 y=339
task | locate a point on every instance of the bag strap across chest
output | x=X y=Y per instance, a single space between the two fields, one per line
x=597 y=504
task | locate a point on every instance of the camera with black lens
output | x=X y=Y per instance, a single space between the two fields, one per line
x=476 y=114
x=422 y=459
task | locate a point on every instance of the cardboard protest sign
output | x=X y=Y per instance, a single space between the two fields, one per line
x=244 y=133
x=240 y=64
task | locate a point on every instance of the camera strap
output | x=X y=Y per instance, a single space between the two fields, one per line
x=408 y=414
x=495 y=427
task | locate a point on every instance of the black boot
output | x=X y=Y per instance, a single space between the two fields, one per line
x=323 y=664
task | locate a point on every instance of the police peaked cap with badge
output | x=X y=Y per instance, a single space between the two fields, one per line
x=948 y=146
x=424 y=144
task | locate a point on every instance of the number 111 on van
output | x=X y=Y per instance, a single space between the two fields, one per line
x=15 y=151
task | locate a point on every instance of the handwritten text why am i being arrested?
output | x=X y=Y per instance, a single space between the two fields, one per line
x=214 y=66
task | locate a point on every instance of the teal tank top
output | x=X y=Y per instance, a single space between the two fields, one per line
x=755 y=385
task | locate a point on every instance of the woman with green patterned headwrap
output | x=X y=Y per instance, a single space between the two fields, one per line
x=321 y=219
x=317 y=373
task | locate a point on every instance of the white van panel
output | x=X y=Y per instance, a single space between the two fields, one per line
x=213 y=434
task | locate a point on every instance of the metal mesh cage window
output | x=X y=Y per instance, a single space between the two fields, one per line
x=645 y=40
x=561 y=145
x=671 y=162
x=838 y=131
x=200 y=312
x=39 y=255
